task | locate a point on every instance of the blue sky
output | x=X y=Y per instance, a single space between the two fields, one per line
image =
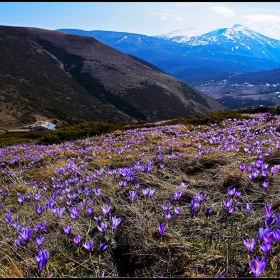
x=148 y=18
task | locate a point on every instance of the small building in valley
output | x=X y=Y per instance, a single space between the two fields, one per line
x=38 y=126
x=42 y=126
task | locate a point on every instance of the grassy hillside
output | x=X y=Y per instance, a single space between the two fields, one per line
x=145 y=200
x=74 y=79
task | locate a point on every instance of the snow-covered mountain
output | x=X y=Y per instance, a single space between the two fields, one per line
x=237 y=39
x=184 y=35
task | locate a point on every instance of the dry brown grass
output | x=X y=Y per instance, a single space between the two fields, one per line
x=191 y=246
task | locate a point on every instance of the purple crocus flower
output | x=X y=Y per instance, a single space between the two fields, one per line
x=231 y=192
x=39 y=209
x=43 y=226
x=18 y=241
x=106 y=210
x=60 y=212
x=266 y=247
x=21 y=199
x=265 y=185
x=257 y=266
x=261 y=232
x=90 y=210
x=97 y=191
x=25 y=233
x=86 y=191
x=148 y=192
x=195 y=205
x=152 y=192
x=82 y=204
x=116 y=221
x=250 y=244
x=264 y=173
x=259 y=163
x=199 y=197
x=237 y=194
x=15 y=222
x=228 y=202
x=177 y=210
x=39 y=240
x=177 y=195
x=67 y=229
x=269 y=221
x=266 y=235
x=230 y=210
x=276 y=233
x=69 y=202
x=248 y=207
x=42 y=258
x=102 y=247
x=167 y=206
x=8 y=217
x=242 y=167
x=98 y=219
x=102 y=227
x=274 y=169
x=255 y=173
x=88 y=245
x=183 y=185
x=268 y=210
x=54 y=211
x=168 y=215
x=132 y=195
x=122 y=183
x=77 y=239
x=161 y=228
x=238 y=205
x=75 y=213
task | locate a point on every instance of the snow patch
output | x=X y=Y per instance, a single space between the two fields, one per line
x=124 y=37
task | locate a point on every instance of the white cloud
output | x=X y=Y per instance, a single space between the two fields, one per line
x=166 y=16
x=268 y=25
x=270 y=19
x=162 y=14
x=273 y=32
x=222 y=11
x=178 y=18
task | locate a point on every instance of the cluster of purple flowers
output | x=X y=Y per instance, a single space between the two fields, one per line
x=148 y=192
x=72 y=183
x=265 y=239
x=232 y=202
x=196 y=203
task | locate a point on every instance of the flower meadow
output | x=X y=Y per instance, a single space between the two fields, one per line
x=161 y=201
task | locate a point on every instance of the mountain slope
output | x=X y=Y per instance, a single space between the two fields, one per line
x=198 y=55
x=257 y=78
x=76 y=79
